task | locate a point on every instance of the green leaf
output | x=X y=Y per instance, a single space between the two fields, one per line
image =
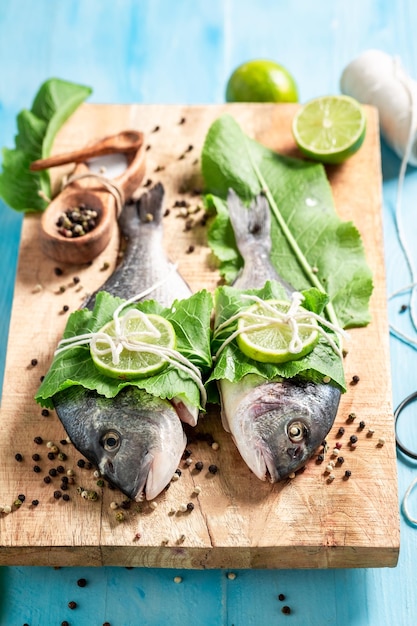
x=306 y=231
x=233 y=365
x=191 y=321
x=54 y=103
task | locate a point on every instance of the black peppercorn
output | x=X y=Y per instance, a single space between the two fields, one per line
x=35 y=502
x=36 y=469
x=348 y=474
x=58 y=271
x=57 y=495
x=65 y=497
x=353 y=439
x=47 y=480
x=341 y=431
x=51 y=456
x=34 y=362
x=281 y=597
x=18 y=457
x=340 y=460
x=60 y=469
x=65 y=308
x=36 y=457
x=72 y=604
x=52 y=472
x=362 y=425
x=45 y=412
x=81 y=463
x=81 y=582
x=178 y=472
x=355 y=380
x=63 y=442
x=199 y=466
x=213 y=469
x=38 y=440
x=21 y=497
x=190 y=506
x=320 y=458
x=286 y=610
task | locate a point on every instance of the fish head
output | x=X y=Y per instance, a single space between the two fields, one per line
x=135 y=439
x=278 y=426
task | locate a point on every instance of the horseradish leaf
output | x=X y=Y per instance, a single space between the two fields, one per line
x=74 y=366
x=305 y=226
x=320 y=364
x=55 y=101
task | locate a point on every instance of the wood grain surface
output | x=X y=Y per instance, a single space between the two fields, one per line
x=237 y=521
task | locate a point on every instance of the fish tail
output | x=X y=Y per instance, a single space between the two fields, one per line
x=150 y=204
x=252 y=224
x=146 y=210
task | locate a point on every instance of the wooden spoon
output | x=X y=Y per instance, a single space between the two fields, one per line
x=90 y=192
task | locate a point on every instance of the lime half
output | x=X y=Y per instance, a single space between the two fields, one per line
x=153 y=330
x=330 y=129
x=273 y=343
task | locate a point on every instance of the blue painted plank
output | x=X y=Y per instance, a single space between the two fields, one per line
x=184 y=51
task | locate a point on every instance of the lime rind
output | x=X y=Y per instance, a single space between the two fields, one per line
x=330 y=128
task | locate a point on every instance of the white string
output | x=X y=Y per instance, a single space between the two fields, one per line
x=398 y=205
x=277 y=317
x=131 y=341
x=407 y=256
x=404 y=505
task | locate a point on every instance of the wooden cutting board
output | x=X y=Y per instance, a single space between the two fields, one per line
x=237 y=520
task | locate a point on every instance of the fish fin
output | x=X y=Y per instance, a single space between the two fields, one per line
x=225 y=422
x=150 y=205
x=187 y=414
x=252 y=224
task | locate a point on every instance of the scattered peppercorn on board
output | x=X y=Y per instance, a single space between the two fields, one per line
x=225 y=517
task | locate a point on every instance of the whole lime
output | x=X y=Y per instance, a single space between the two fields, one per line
x=261 y=80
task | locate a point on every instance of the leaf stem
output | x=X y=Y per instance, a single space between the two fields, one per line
x=305 y=265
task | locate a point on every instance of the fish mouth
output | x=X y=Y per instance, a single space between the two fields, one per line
x=149 y=480
x=277 y=469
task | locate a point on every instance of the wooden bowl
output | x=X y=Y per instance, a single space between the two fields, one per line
x=88 y=190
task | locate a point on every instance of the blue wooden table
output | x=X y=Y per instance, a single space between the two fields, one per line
x=161 y=51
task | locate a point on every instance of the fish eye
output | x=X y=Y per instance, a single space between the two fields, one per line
x=297 y=431
x=111 y=441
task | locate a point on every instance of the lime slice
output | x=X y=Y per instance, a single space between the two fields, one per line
x=133 y=363
x=272 y=343
x=261 y=80
x=330 y=129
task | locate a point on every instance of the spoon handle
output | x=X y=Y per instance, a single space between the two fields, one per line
x=126 y=141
